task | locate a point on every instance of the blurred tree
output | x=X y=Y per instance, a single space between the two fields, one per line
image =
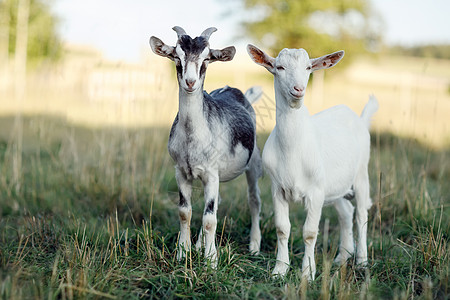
x=440 y=51
x=320 y=27
x=43 y=42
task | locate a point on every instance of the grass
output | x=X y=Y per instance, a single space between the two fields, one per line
x=92 y=214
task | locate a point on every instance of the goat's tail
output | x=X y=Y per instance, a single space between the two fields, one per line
x=369 y=110
x=253 y=94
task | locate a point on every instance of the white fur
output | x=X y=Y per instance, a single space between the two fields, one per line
x=315 y=159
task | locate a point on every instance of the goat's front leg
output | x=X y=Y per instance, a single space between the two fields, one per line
x=283 y=226
x=314 y=204
x=200 y=242
x=184 y=213
x=211 y=191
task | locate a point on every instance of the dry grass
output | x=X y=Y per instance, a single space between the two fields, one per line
x=413 y=93
x=88 y=196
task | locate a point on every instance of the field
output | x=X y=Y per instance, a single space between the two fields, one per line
x=88 y=196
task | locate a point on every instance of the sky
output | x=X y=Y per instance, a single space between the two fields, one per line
x=121 y=29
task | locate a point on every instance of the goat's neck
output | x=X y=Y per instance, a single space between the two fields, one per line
x=293 y=125
x=190 y=107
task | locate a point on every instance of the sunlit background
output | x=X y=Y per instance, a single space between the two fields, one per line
x=89 y=61
x=88 y=195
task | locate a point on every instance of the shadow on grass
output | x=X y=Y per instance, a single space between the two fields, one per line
x=105 y=199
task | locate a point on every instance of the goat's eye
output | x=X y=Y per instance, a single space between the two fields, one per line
x=308 y=68
x=280 y=68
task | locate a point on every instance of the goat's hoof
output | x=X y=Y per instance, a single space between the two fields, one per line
x=181 y=254
x=198 y=245
x=309 y=272
x=254 y=248
x=341 y=259
x=308 y=276
x=361 y=262
x=183 y=249
x=212 y=262
x=280 y=270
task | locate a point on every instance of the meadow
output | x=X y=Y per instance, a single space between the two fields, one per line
x=88 y=199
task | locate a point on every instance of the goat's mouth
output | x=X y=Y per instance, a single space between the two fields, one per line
x=297 y=95
x=190 y=90
x=296 y=98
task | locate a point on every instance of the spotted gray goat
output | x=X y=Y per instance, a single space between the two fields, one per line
x=212 y=138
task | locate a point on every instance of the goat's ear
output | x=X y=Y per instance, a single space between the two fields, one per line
x=326 y=61
x=261 y=58
x=162 y=49
x=226 y=54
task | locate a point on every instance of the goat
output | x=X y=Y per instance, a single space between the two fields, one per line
x=212 y=138
x=319 y=159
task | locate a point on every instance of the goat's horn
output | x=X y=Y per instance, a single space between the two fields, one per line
x=207 y=33
x=180 y=31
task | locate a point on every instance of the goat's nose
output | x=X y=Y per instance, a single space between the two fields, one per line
x=190 y=82
x=298 y=88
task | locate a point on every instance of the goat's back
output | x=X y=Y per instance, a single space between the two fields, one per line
x=232 y=96
x=228 y=107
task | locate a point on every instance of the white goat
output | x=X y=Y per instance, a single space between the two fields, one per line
x=212 y=138
x=319 y=159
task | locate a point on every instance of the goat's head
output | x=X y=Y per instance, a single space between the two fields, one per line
x=191 y=57
x=291 y=70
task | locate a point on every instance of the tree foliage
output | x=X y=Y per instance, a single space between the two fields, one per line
x=44 y=42
x=320 y=27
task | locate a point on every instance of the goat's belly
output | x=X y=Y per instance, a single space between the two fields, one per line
x=227 y=165
x=234 y=164
x=340 y=177
x=338 y=191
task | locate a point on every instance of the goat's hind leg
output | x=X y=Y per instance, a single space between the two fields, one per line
x=345 y=213
x=184 y=213
x=200 y=242
x=253 y=173
x=363 y=204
